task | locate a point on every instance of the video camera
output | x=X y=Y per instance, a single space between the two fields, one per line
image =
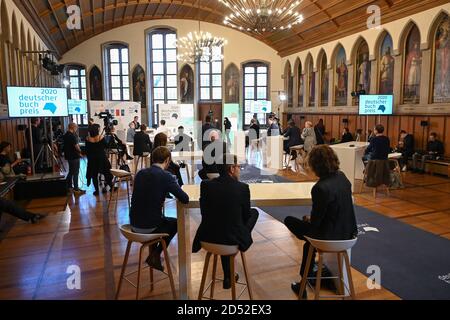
x=108 y=121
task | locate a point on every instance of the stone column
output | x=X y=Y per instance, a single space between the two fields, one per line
x=330 y=87
x=373 y=76
x=350 y=68
x=397 y=89
x=317 y=91
x=426 y=90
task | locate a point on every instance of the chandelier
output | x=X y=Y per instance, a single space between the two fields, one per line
x=262 y=16
x=199 y=46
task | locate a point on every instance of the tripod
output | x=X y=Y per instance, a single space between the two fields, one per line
x=47 y=150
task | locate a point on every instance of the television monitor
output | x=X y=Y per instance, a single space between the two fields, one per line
x=261 y=106
x=31 y=102
x=77 y=107
x=374 y=105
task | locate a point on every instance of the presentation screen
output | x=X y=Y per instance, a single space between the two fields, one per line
x=28 y=102
x=77 y=107
x=376 y=105
x=261 y=106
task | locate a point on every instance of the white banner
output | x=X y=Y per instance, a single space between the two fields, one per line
x=122 y=111
x=177 y=115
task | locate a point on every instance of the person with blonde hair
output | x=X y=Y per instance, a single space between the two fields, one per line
x=309 y=137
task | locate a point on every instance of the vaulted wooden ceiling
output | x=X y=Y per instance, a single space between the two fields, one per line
x=324 y=20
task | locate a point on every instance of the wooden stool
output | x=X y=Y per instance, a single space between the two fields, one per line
x=146 y=241
x=340 y=249
x=222 y=250
x=141 y=158
x=119 y=176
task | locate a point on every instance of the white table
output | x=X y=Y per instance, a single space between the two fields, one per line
x=192 y=157
x=350 y=156
x=279 y=194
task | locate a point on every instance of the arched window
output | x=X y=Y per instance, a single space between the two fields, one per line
x=300 y=83
x=363 y=68
x=117 y=72
x=162 y=62
x=441 y=58
x=340 y=77
x=211 y=77
x=77 y=78
x=386 y=66
x=311 y=83
x=256 y=87
x=324 y=78
x=412 y=67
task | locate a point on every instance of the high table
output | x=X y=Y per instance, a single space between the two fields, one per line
x=262 y=194
x=190 y=156
x=350 y=156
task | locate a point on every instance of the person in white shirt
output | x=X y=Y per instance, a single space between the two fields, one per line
x=163 y=129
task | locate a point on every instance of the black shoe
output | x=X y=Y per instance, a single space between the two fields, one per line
x=104 y=190
x=96 y=193
x=130 y=158
x=295 y=286
x=154 y=261
x=183 y=165
x=227 y=281
x=37 y=217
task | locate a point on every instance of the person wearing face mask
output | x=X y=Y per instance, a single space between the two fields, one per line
x=227 y=217
x=151 y=186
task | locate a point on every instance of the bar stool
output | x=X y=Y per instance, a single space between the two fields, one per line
x=222 y=250
x=146 y=240
x=141 y=158
x=119 y=176
x=338 y=247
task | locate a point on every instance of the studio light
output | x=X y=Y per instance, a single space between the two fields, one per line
x=282 y=96
x=66 y=82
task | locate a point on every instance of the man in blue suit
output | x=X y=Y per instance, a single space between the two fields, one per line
x=151 y=187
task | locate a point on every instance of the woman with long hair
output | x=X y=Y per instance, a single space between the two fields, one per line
x=161 y=141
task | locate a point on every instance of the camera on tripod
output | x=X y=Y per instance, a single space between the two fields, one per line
x=108 y=121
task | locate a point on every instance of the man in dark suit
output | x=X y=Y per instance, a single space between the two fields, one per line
x=346 y=136
x=212 y=155
x=294 y=134
x=226 y=214
x=207 y=127
x=379 y=146
x=182 y=141
x=406 y=147
x=142 y=143
x=332 y=215
x=151 y=187
x=273 y=129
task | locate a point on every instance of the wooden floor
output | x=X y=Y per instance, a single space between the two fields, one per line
x=34 y=258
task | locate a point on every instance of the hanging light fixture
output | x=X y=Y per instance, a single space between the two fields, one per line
x=200 y=46
x=262 y=16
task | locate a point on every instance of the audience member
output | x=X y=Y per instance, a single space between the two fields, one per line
x=72 y=153
x=295 y=139
x=151 y=185
x=406 y=147
x=13 y=209
x=227 y=125
x=183 y=142
x=309 y=137
x=332 y=215
x=319 y=130
x=346 y=136
x=98 y=162
x=131 y=131
x=163 y=129
x=435 y=150
x=137 y=125
x=7 y=166
x=359 y=134
x=226 y=214
x=379 y=146
x=142 y=143
x=161 y=141
x=212 y=155
x=114 y=143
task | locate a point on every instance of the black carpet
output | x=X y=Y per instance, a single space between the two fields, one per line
x=414 y=264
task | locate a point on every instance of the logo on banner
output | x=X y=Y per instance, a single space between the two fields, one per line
x=50 y=107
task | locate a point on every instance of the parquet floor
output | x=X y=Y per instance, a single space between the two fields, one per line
x=34 y=258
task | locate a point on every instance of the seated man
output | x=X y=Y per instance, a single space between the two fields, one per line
x=226 y=214
x=435 y=150
x=212 y=154
x=346 y=136
x=379 y=146
x=332 y=215
x=142 y=143
x=183 y=141
x=18 y=212
x=406 y=147
x=151 y=186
